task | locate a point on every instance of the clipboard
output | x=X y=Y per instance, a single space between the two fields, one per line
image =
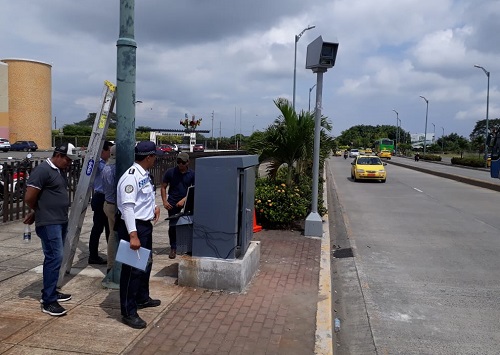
x=135 y=258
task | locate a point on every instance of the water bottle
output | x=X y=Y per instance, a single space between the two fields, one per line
x=27 y=234
x=336 y=325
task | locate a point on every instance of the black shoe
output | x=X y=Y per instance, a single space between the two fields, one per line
x=97 y=260
x=54 y=309
x=149 y=303
x=61 y=297
x=173 y=253
x=135 y=322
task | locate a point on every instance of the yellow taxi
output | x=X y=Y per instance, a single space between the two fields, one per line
x=368 y=151
x=385 y=154
x=368 y=168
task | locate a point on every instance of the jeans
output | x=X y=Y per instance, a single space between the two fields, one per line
x=172 y=230
x=52 y=237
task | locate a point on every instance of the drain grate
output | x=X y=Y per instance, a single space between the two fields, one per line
x=343 y=253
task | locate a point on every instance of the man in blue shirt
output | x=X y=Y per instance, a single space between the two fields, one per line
x=97 y=203
x=177 y=179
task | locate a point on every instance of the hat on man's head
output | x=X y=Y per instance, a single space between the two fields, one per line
x=145 y=148
x=112 y=155
x=107 y=145
x=183 y=156
x=67 y=149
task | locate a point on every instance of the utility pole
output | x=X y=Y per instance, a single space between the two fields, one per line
x=55 y=122
x=212 y=125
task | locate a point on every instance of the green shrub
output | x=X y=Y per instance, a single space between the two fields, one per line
x=431 y=157
x=468 y=161
x=279 y=206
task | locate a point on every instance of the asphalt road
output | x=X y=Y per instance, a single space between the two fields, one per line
x=424 y=277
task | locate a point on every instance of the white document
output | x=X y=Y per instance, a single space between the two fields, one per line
x=135 y=258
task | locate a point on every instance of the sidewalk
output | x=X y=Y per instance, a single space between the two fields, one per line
x=276 y=314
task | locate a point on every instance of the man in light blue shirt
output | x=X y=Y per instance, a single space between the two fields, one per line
x=97 y=203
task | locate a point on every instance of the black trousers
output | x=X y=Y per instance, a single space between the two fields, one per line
x=100 y=224
x=134 y=283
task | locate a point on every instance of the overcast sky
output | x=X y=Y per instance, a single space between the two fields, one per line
x=235 y=57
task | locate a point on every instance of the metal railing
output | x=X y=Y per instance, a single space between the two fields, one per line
x=14 y=176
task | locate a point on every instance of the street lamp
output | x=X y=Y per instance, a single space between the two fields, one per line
x=487 y=112
x=426 y=114
x=297 y=37
x=397 y=131
x=310 y=89
x=442 y=140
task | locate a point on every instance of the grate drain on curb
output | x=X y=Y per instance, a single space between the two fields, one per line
x=343 y=253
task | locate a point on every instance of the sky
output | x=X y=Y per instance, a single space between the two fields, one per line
x=226 y=61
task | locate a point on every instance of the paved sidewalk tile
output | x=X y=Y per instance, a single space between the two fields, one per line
x=276 y=315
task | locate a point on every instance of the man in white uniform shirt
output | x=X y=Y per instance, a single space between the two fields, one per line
x=135 y=200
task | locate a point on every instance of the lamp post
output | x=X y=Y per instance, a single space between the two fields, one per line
x=442 y=140
x=297 y=37
x=397 y=131
x=487 y=112
x=426 y=115
x=310 y=89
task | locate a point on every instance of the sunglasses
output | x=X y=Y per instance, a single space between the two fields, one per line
x=181 y=162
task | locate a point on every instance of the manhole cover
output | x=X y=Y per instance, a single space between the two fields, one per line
x=343 y=253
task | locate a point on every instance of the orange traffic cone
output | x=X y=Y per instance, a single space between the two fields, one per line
x=256 y=228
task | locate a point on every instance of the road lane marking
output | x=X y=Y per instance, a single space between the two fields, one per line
x=417 y=189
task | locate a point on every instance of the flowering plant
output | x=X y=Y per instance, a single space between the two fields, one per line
x=190 y=123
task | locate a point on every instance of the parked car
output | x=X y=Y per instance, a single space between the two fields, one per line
x=24 y=146
x=165 y=148
x=369 y=168
x=4 y=144
x=198 y=148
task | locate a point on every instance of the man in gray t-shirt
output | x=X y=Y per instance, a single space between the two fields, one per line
x=47 y=194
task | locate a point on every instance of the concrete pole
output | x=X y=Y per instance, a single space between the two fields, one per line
x=314 y=223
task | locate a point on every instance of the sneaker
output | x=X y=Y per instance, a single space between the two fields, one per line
x=173 y=253
x=54 y=309
x=61 y=297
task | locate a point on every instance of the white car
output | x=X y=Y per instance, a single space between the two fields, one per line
x=4 y=144
x=353 y=153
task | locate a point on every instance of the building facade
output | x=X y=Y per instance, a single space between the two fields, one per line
x=28 y=115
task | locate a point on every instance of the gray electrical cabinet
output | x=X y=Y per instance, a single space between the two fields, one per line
x=224 y=206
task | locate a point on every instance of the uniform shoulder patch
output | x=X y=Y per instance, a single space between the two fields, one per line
x=131 y=170
x=129 y=189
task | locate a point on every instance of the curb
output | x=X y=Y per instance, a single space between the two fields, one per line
x=324 y=338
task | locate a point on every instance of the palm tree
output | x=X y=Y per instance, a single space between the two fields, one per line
x=289 y=140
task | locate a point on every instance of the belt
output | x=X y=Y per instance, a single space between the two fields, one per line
x=98 y=193
x=110 y=203
x=140 y=221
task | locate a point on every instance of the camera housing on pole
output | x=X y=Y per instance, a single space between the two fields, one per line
x=320 y=57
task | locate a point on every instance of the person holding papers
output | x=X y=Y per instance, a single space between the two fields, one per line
x=135 y=198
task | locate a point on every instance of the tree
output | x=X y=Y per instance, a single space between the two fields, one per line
x=480 y=128
x=290 y=140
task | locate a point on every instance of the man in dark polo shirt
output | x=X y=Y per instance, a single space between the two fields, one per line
x=47 y=194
